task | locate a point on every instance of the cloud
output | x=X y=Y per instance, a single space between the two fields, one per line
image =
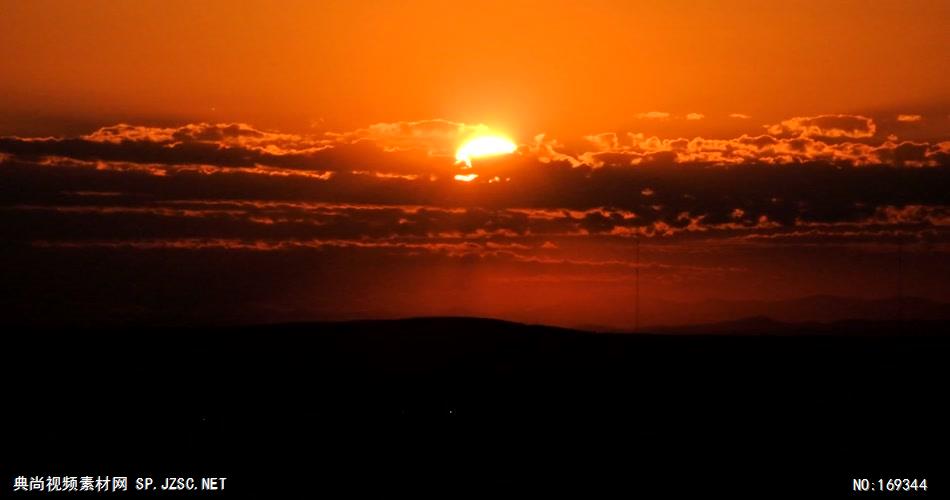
x=739 y=116
x=695 y=116
x=909 y=118
x=826 y=126
x=211 y=162
x=263 y=220
x=423 y=151
x=436 y=137
x=636 y=149
x=546 y=151
x=159 y=149
x=284 y=225
x=653 y=115
x=225 y=161
x=408 y=148
x=52 y=198
x=223 y=135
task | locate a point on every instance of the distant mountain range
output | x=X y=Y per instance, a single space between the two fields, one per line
x=815 y=308
x=741 y=314
x=841 y=328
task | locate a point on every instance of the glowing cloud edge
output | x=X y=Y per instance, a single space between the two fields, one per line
x=487 y=145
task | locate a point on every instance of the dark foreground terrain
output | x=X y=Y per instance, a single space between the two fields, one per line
x=456 y=406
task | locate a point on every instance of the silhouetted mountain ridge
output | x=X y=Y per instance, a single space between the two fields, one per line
x=231 y=395
x=814 y=308
x=664 y=313
x=763 y=325
x=460 y=328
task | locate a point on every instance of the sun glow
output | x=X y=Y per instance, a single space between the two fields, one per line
x=488 y=145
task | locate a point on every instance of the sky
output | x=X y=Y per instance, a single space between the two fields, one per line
x=276 y=161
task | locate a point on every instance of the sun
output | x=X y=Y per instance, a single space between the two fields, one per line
x=486 y=145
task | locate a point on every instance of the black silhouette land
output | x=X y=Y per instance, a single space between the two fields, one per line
x=475 y=405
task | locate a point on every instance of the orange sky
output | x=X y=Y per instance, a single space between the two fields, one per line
x=274 y=161
x=564 y=68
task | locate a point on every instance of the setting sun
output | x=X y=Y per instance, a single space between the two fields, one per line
x=478 y=147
